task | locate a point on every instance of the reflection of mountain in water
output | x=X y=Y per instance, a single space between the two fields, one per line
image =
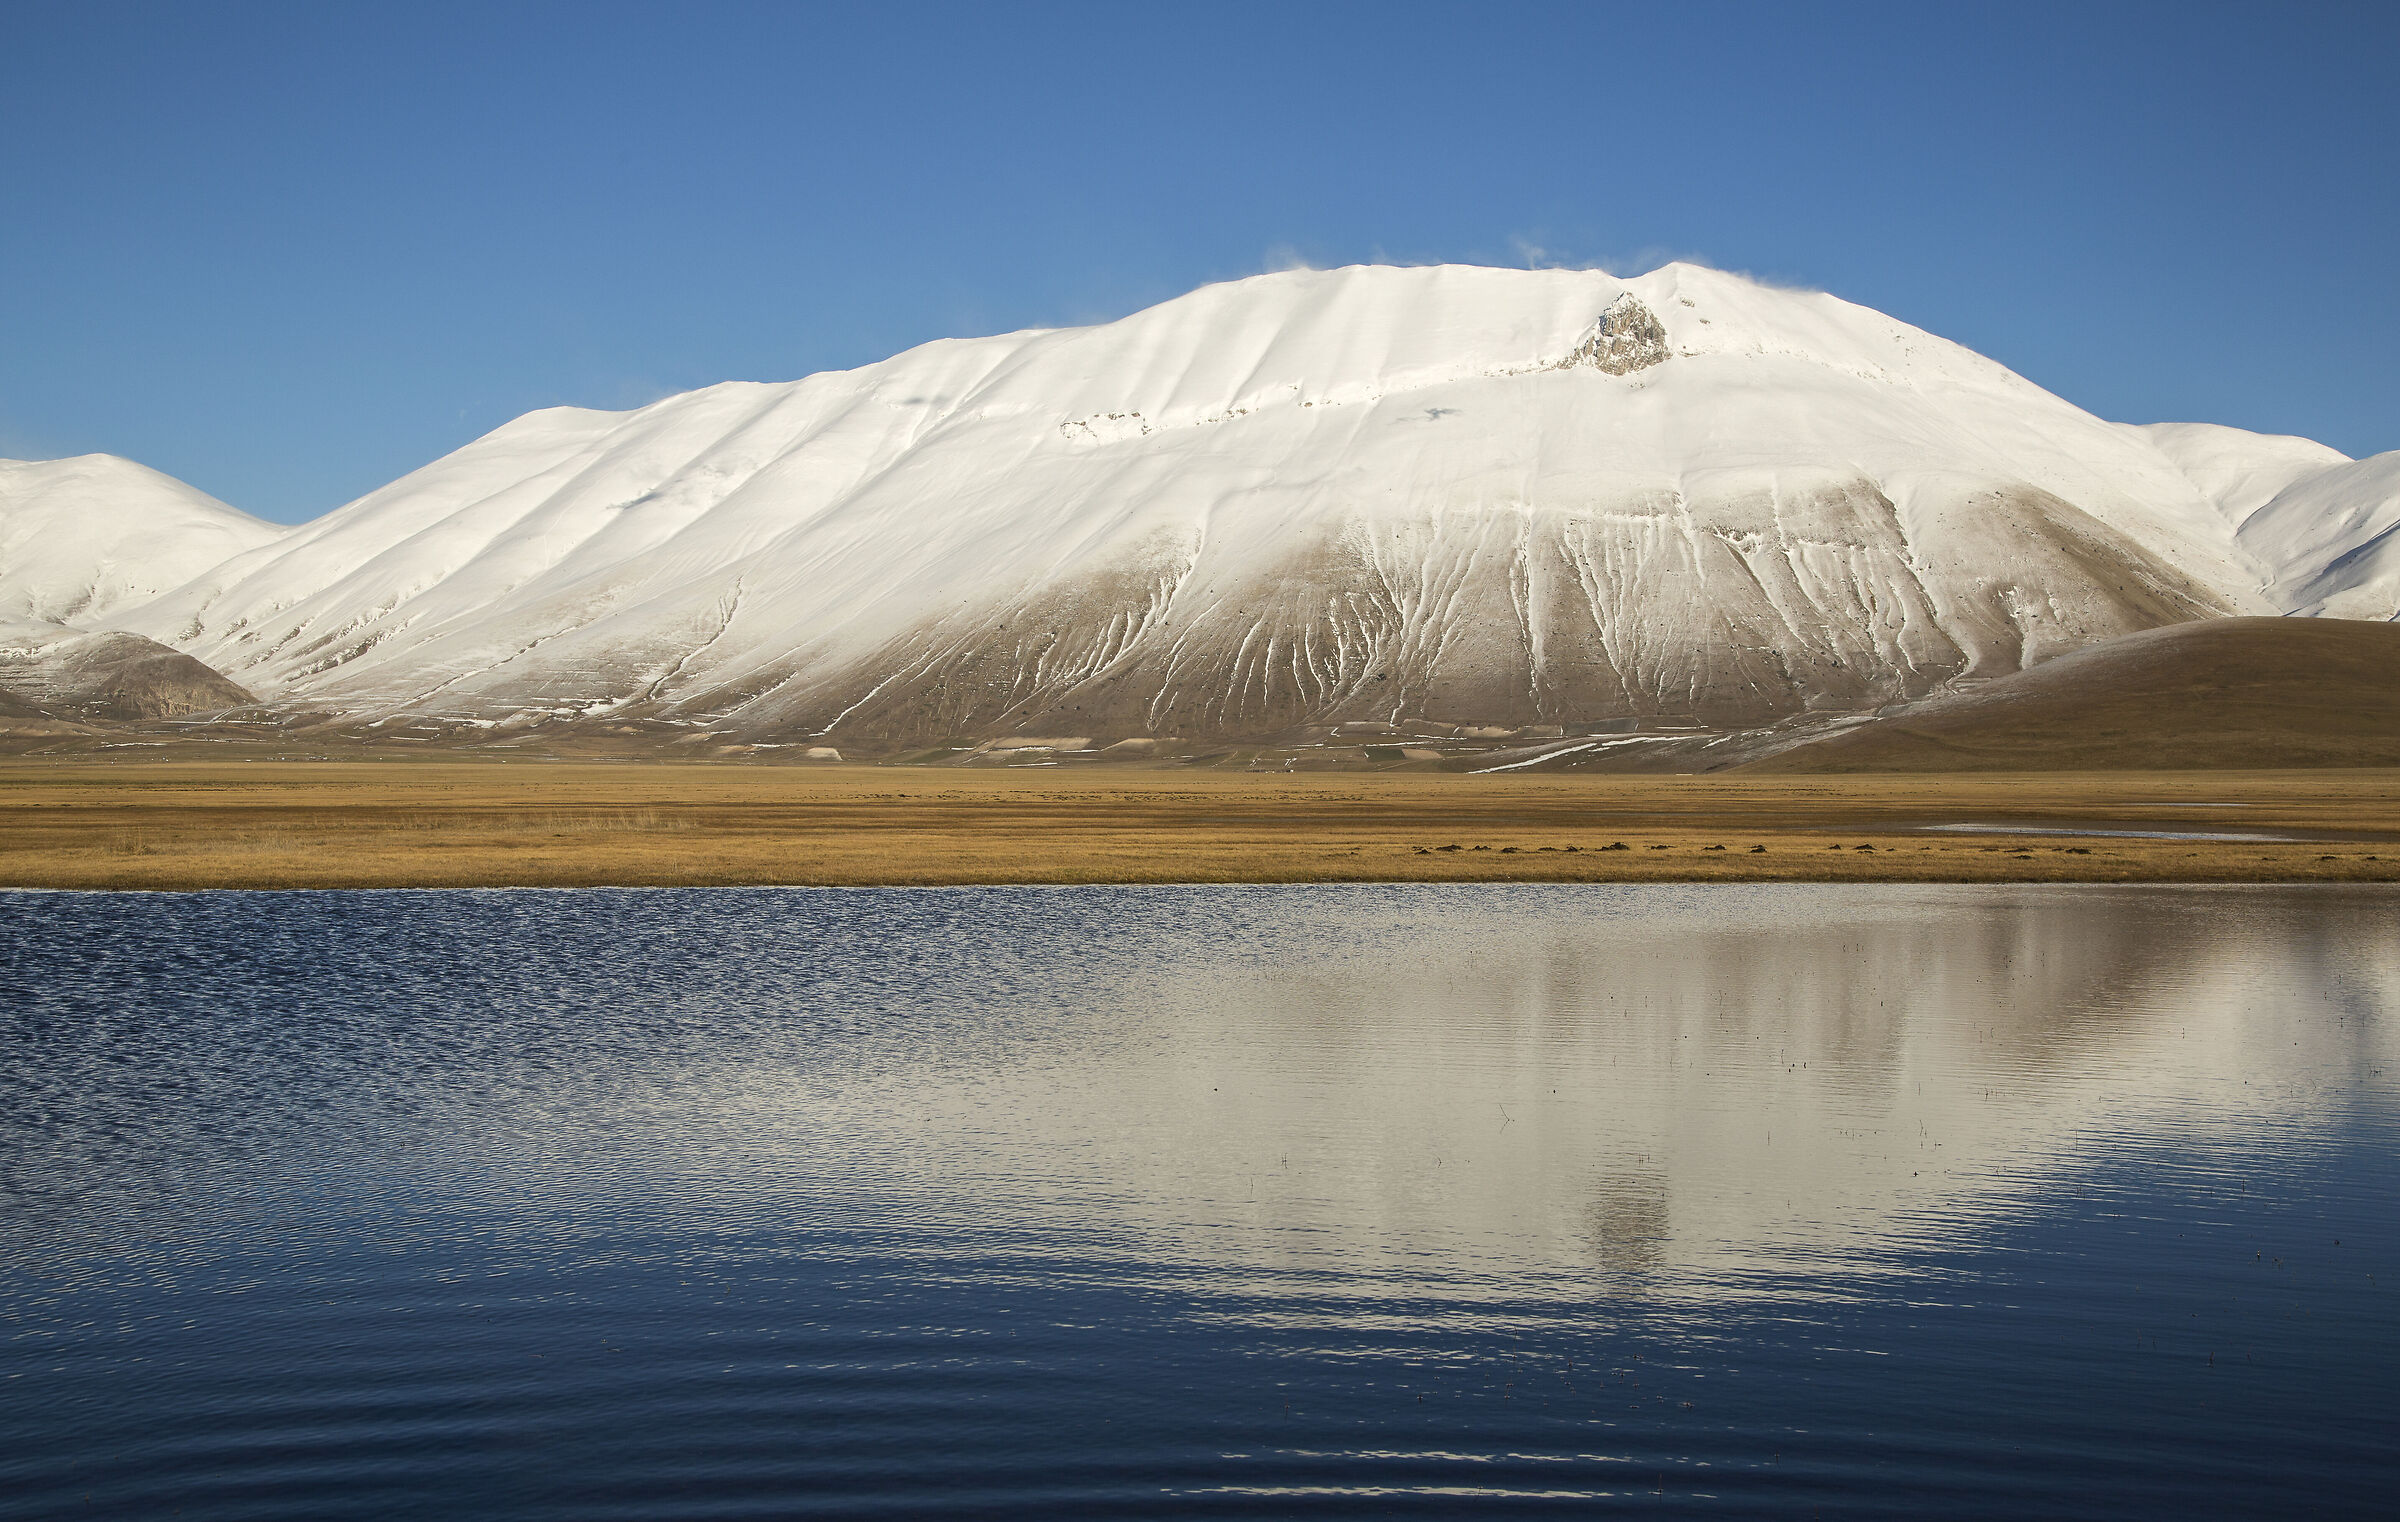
x=1399 y=1094
x=1659 y=1092
x=1630 y=1226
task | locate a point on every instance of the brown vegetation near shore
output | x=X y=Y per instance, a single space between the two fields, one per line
x=116 y=823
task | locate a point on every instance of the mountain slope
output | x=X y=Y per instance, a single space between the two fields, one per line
x=2322 y=529
x=1364 y=493
x=85 y=538
x=2236 y=469
x=54 y=671
x=2237 y=692
x=2333 y=538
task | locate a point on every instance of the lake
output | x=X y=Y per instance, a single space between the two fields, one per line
x=1244 y=1201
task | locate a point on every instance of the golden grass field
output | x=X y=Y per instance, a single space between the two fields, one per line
x=87 y=822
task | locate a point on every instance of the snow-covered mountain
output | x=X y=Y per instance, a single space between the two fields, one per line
x=82 y=539
x=2334 y=537
x=1475 y=495
x=2236 y=469
x=2323 y=528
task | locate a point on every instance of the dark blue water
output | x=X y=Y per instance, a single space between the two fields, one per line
x=1993 y=1202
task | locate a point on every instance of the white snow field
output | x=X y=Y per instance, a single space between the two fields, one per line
x=2332 y=538
x=1474 y=495
x=2320 y=525
x=83 y=538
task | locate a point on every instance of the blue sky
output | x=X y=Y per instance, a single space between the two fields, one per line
x=290 y=252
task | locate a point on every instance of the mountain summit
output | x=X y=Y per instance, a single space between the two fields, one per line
x=85 y=538
x=1453 y=494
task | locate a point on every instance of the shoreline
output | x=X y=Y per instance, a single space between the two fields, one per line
x=1162 y=887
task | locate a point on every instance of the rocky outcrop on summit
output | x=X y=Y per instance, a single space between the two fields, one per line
x=1625 y=339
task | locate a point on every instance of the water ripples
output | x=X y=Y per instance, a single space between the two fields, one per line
x=1211 y=1201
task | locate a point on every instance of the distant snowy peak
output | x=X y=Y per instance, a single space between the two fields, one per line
x=2323 y=529
x=86 y=538
x=2334 y=540
x=2238 y=470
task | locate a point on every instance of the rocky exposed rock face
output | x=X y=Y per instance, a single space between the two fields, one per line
x=1628 y=337
x=110 y=676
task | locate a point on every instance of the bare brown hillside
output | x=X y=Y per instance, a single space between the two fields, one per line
x=108 y=677
x=2222 y=693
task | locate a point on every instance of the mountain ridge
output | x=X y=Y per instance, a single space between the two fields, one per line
x=1376 y=493
x=86 y=537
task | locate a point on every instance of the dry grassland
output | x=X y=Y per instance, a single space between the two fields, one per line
x=86 y=823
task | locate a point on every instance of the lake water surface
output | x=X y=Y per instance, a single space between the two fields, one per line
x=1274 y=1201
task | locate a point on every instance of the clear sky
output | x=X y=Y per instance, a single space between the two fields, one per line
x=291 y=252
